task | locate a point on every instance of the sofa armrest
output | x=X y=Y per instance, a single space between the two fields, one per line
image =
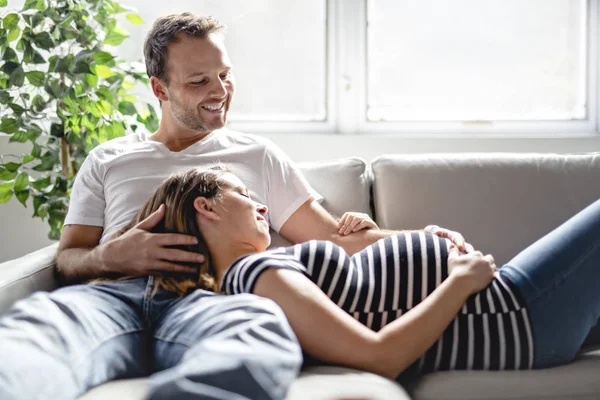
x=22 y=276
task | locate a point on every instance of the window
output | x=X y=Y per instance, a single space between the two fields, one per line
x=405 y=66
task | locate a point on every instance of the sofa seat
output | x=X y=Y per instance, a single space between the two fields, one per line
x=315 y=383
x=576 y=381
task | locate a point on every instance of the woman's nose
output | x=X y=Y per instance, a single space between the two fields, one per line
x=262 y=209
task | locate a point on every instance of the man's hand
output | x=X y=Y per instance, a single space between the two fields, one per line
x=139 y=252
x=354 y=221
x=455 y=237
x=475 y=269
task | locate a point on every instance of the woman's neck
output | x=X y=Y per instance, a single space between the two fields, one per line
x=224 y=254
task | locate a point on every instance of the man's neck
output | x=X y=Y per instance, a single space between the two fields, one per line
x=177 y=139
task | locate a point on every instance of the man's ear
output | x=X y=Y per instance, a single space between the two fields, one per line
x=159 y=88
x=205 y=207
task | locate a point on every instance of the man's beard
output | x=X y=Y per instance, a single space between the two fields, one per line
x=192 y=119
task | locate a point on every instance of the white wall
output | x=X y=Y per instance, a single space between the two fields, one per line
x=21 y=234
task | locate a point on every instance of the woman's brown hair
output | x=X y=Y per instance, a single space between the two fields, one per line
x=177 y=193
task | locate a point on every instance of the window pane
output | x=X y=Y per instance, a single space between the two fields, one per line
x=435 y=60
x=277 y=48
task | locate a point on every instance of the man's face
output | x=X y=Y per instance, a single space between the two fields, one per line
x=200 y=84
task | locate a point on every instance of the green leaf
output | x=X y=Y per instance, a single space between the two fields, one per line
x=9 y=67
x=127 y=108
x=92 y=80
x=103 y=58
x=41 y=183
x=43 y=40
x=17 y=109
x=5 y=196
x=36 y=78
x=19 y=136
x=36 y=151
x=104 y=107
x=62 y=64
x=81 y=67
x=38 y=103
x=135 y=19
x=5 y=187
x=48 y=161
x=116 y=36
x=10 y=21
x=29 y=4
x=9 y=125
x=13 y=34
x=104 y=72
x=4 y=96
x=21 y=182
x=22 y=196
x=28 y=159
x=53 y=87
x=10 y=55
x=17 y=77
x=117 y=130
x=54 y=234
x=12 y=166
x=6 y=175
x=22 y=43
x=37 y=202
x=3 y=3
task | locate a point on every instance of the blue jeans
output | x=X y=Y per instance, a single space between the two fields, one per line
x=58 y=345
x=559 y=279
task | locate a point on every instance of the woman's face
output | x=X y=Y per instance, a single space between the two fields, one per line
x=240 y=218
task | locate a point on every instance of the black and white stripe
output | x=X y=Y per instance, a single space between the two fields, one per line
x=388 y=278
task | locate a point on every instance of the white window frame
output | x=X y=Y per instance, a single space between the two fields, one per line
x=346 y=89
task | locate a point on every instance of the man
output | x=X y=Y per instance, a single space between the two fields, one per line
x=201 y=346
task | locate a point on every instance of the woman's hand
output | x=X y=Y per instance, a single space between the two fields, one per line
x=475 y=269
x=353 y=222
x=455 y=237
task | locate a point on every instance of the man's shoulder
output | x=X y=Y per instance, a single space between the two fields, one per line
x=241 y=138
x=120 y=145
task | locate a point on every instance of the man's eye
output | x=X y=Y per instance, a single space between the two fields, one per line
x=226 y=76
x=202 y=82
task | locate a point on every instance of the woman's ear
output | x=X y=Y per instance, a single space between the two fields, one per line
x=205 y=208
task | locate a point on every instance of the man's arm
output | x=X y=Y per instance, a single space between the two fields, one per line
x=312 y=222
x=78 y=256
x=138 y=252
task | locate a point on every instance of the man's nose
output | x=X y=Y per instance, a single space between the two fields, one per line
x=218 y=88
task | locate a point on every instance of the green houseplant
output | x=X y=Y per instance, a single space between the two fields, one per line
x=64 y=92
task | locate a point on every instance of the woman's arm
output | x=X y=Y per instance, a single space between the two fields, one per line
x=330 y=334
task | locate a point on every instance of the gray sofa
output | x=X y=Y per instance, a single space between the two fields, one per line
x=500 y=202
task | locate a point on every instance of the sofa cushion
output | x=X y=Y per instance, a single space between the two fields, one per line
x=344 y=184
x=500 y=202
x=315 y=383
x=22 y=276
x=576 y=381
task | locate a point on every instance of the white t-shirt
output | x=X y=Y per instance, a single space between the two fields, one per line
x=118 y=176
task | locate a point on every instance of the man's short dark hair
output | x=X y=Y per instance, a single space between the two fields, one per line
x=165 y=30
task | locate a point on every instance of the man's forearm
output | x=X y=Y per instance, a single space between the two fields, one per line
x=355 y=242
x=76 y=265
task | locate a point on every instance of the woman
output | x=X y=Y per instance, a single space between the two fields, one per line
x=409 y=300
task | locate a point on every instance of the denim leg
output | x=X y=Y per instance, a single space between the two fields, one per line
x=58 y=345
x=211 y=346
x=559 y=278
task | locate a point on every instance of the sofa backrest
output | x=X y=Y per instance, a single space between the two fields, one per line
x=500 y=202
x=344 y=185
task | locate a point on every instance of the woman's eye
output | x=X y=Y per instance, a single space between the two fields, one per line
x=202 y=82
x=245 y=195
x=226 y=76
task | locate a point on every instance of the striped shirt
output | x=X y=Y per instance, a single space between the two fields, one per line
x=388 y=278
